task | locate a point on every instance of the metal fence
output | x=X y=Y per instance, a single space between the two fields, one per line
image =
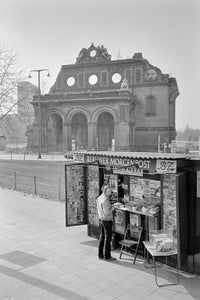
x=51 y=188
x=25 y=156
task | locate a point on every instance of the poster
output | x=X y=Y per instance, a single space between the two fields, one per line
x=112 y=181
x=134 y=219
x=169 y=204
x=198 y=184
x=120 y=221
x=144 y=191
x=75 y=195
x=93 y=193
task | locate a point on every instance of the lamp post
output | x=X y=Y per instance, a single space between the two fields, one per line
x=39 y=107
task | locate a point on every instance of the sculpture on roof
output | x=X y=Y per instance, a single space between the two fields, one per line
x=82 y=54
x=101 y=50
x=93 y=54
x=124 y=84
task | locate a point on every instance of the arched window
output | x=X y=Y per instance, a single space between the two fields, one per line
x=54 y=133
x=150 y=106
x=105 y=131
x=79 y=132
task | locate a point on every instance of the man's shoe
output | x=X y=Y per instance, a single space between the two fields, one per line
x=110 y=258
x=101 y=257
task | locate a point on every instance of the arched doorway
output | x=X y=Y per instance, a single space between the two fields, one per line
x=105 y=131
x=54 y=133
x=79 y=132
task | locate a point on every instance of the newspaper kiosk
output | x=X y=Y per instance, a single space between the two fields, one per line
x=148 y=189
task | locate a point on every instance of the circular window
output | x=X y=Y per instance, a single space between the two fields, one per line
x=70 y=81
x=116 y=77
x=93 y=53
x=93 y=79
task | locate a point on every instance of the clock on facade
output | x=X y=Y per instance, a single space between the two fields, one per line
x=70 y=81
x=93 y=79
x=150 y=74
x=93 y=53
x=116 y=77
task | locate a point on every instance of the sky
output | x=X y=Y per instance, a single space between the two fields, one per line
x=51 y=33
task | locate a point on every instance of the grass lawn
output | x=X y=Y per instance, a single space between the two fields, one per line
x=49 y=180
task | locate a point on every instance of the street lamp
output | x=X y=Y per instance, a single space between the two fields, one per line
x=39 y=107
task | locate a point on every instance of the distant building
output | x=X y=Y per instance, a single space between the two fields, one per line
x=25 y=92
x=13 y=126
x=185 y=147
x=103 y=104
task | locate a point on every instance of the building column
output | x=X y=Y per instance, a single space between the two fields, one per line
x=92 y=135
x=115 y=135
x=66 y=137
x=43 y=137
x=132 y=136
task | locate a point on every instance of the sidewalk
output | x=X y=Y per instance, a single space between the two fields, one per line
x=42 y=259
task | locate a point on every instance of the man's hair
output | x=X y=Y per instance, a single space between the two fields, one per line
x=105 y=188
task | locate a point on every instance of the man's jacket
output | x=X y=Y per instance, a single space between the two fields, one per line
x=104 y=208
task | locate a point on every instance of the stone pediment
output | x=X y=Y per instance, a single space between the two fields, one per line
x=93 y=54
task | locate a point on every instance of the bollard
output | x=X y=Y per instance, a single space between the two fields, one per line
x=35 y=191
x=59 y=181
x=15 y=180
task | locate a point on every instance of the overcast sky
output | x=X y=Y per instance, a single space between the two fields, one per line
x=50 y=33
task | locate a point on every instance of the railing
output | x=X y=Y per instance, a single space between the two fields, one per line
x=25 y=156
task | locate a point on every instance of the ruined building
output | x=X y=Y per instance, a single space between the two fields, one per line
x=103 y=104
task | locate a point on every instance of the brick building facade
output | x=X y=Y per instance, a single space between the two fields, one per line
x=103 y=104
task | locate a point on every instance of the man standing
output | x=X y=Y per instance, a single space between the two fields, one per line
x=105 y=214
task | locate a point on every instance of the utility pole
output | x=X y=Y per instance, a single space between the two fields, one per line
x=39 y=109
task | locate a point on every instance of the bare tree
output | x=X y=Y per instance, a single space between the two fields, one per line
x=16 y=112
x=10 y=75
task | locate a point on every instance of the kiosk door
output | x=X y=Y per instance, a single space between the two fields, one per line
x=75 y=195
x=93 y=191
x=182 y=233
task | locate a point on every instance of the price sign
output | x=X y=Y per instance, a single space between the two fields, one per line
x=166 y=166
x=78 y=157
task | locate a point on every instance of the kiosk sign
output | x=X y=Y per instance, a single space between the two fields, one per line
x=128 y=171
x=166 y=166
x=78 y=157
x=119 y=162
